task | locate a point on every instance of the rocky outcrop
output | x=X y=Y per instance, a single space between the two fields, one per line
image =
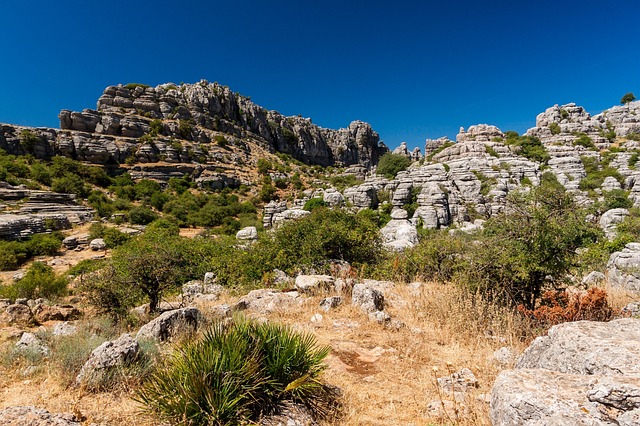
x=107 y=357
x=587 y=347
x=610 y=219
x=36 y=212
x=582 y=373
x=480 y=133
x=195 y=112
x=399 y=233
x=623 y=268
x=32 y=416
x=171 y=324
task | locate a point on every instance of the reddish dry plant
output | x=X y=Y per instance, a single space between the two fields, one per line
x=558 y=306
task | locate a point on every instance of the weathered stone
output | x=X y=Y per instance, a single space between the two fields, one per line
x=623 y=268
x=171 y=324
x=460 y=381
x=19 y=314
x=97 y=244
x=250 y=233
x=587 y=347
x=32 y=416
x=64 y=329
x=105 y=358
x=610 y=219
x=268 y=301
x=541 y=397
x=330 y=302
x=44 y=312
x=367 y=298
x=314 y=284
x=31 y=343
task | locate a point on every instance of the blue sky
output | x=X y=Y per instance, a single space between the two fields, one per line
x=413 y=69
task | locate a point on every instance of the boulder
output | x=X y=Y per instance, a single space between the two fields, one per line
x=399 y=233
x=332 y=197
x=267 y=301
x=623 y=268
x=250 y=233
x=171 y=324
x=44 y=313
x=587 y=347
x=107 y=357
x=97 y=244
x=19 y=314
x=64 y=329
x=542 y=397
x=330 y=302
x=460 y=381
x=32 y=416
x=610 y=219
x=314 y=284
x=30 y=343
x=367 y=298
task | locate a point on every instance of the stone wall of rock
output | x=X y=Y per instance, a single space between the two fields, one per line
x=193 y=111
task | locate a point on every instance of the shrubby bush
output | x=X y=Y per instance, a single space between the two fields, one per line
x=39 y=281
x=15 y=253
x=237 y=373
x=390 y=164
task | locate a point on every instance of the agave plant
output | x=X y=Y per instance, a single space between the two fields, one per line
x=237 y=372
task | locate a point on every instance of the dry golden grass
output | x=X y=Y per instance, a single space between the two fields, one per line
x=387 y=375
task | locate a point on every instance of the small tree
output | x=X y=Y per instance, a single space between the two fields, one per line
x=531 y=246
x=629 y=97
x=390 y=164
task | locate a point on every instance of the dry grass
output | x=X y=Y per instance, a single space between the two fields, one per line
x=388 y=375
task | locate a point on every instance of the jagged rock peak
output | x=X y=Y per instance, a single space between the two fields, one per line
x=128 y=111
x=480 y=133
x=414 y=155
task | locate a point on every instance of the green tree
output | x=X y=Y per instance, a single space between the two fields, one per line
x=531 y=246
x=629 y=97
x=390 y=164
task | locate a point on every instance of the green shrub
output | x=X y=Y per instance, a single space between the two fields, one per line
x=530 y=147
x=314 y=203
x=390 y=164
x=264 y=166
x=142 y=215
x=615 y=199
x=628 y=97
x=39 y=281
x=585 y=141
x=70 y=184
x=555 y=128
x=236 y=373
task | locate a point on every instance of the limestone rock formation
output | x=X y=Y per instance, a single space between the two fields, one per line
x=582 y=373
x=623 y=267
x=587 y=347
x=32 y=416
x=105 y=358
x=171 y=324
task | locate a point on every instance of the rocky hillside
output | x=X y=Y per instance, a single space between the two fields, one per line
x=202 y=126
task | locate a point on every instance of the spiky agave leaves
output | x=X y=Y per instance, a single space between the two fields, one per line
x=238 y=372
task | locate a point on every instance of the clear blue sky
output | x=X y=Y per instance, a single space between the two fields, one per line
x=413 y=69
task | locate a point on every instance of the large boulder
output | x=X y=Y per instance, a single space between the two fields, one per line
x=549 y=398
x=32 y=416
x=610 y=219
x=587 y=347
x=581 y=373
x=171 y=324
x=314 y=284
x=18 y=314
x=623 y=268
x=106 y=358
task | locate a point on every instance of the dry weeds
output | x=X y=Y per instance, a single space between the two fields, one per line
x=388 y=376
